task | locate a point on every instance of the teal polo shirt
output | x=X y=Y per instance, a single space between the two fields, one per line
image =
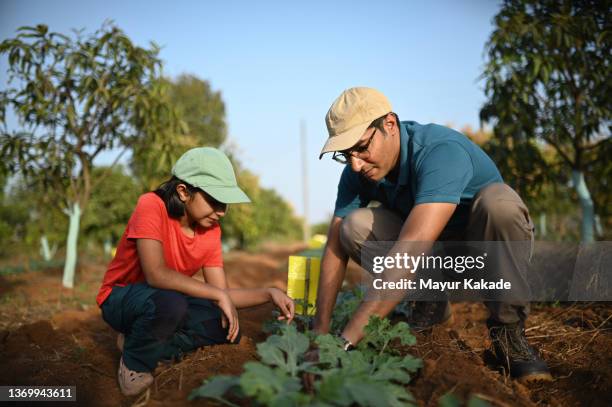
x=437 y=164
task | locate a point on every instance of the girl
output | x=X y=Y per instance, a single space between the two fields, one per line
x=148 y=293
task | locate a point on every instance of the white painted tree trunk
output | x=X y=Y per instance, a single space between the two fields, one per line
x=586 y=203
x=71 y=245
x=44 y=248
x=542 y=222
x=598 y=226
x=108 y=248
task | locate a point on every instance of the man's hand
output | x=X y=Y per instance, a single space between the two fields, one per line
x=284 y=304
x=333 y=269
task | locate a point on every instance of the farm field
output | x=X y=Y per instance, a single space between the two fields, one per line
x=54 y=336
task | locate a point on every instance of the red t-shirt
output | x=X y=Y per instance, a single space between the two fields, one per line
x=185 y=254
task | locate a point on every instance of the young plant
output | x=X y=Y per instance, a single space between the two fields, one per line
x=374 y=374
x=346 y=304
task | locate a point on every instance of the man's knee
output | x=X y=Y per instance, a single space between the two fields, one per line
x=354 y=231
x=502 y=209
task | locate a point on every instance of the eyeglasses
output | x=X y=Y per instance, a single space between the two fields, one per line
x=361 y=151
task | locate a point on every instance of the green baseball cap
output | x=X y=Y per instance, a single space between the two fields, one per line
x=210 y=170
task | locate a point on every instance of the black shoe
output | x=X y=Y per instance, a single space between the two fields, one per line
x=423 y=315
x=515 y=354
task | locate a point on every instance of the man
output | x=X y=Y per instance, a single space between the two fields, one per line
x=432 y=184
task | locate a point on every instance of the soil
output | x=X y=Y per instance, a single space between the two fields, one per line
x=53 y=336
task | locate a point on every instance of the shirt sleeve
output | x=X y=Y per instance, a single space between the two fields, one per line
x=443 y=174
x=214 y=257
x=349 y=195
x=147 y=220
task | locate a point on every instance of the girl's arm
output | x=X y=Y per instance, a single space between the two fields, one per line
x=248 y=297
x=158 y=275
x=215 y=276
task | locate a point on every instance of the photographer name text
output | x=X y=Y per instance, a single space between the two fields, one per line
x=430 y=284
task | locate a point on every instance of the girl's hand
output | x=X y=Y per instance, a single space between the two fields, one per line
x=229 y=312
x=284 y=304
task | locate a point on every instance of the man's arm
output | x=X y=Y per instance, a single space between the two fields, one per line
x=333 y=268
x=424 y=224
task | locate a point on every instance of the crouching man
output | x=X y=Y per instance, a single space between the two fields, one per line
x=432 y=182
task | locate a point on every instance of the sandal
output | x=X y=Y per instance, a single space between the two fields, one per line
x=131 y=382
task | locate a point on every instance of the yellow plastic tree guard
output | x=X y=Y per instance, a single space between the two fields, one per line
x=303 y=281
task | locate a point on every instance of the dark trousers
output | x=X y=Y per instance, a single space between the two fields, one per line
x=161 y=324
x=497 y=214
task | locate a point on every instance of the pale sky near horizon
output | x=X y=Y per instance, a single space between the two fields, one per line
x=277 y=63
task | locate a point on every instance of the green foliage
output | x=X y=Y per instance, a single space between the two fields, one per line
x=25 y=215
x=320 y=228
x=268 y=216
x=368 y=376
x=302 y=322
x=76 y=97
x=202 y=109
x=544 y=192
x=547 y=81
x=110 y=206
x=217 y=387
x=202 y=123
x=379 y=334
x=282 y=351
x=202 y=114
x=450 y=400
x=13 y=223
x=347 y=303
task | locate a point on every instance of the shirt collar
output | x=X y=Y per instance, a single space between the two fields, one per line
x=404 y=171
x=404 y=174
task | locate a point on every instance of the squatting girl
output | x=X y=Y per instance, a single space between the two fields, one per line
x=149 y=294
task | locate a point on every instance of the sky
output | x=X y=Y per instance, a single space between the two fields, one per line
x=277 y=63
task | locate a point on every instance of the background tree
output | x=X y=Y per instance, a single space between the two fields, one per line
x=202 y=109
x=202 y=112
x=547 y=81
x=76 y=97
x=36 y=223
x=268 y=216
x=546 y=193
x=110 y=206
x=13 y=219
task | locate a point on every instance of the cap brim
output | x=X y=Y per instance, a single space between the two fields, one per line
x=228 y=195
x=344 y=140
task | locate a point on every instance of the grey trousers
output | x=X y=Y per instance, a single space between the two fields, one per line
x=497 y=213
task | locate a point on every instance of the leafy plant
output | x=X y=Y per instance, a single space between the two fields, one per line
x=346 y=304
x=302 y=322
x=371 y=375
x=450 y=400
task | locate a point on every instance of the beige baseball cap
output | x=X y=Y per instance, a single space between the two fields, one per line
x=351 y=114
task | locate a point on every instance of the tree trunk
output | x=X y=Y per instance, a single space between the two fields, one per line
x=44 y=248
x=586 y=203
x=542 y=225
x=71 y=245
x=108 y=248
